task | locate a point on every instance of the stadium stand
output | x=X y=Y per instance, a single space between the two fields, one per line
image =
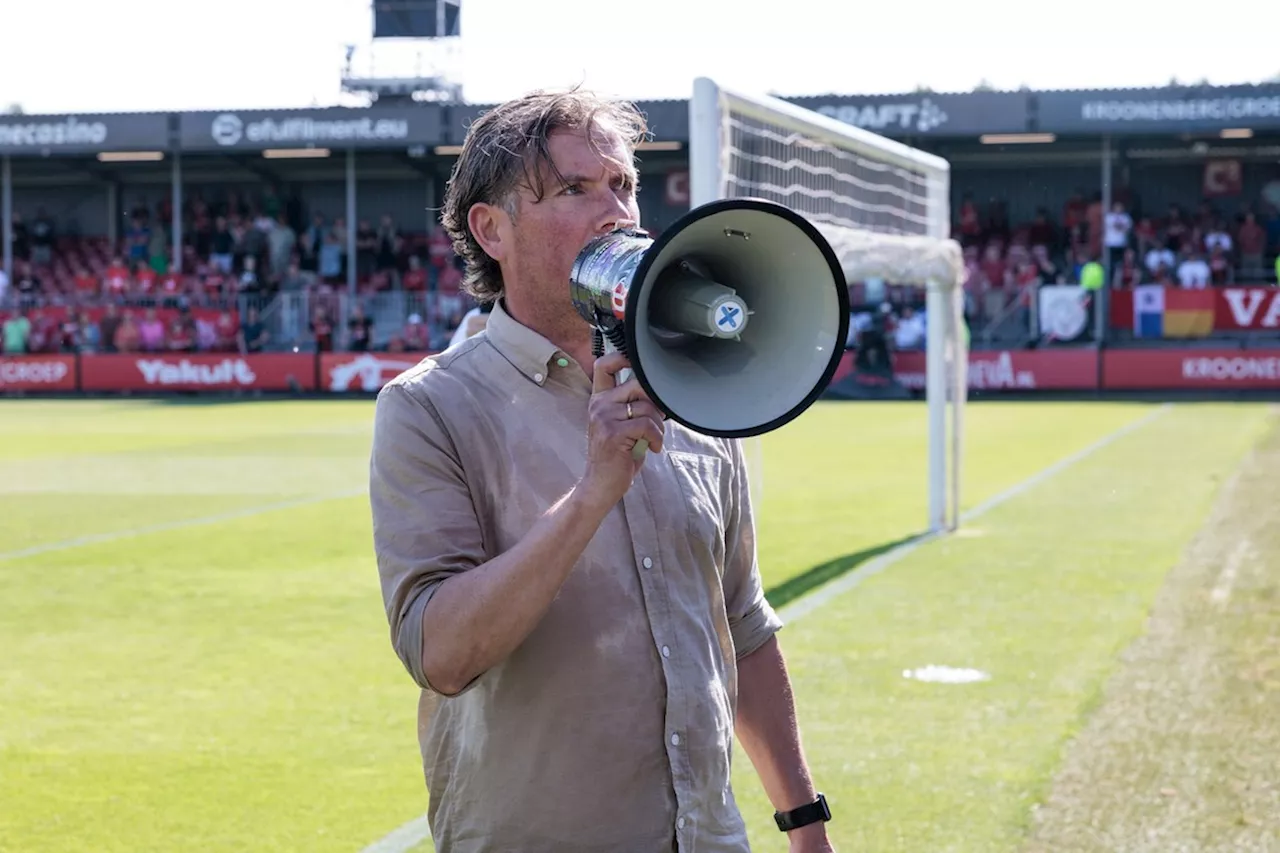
x=241 y=260
x=1007 y=262
x=263 y=274
x=1210 y=246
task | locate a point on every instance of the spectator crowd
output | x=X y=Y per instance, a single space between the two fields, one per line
x=1176 y=247
x=70 y=293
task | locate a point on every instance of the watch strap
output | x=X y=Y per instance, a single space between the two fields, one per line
x=804 y=815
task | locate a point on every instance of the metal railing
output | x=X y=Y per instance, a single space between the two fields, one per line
x=291 y=318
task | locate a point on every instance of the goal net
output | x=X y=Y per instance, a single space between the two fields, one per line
x=885 y=209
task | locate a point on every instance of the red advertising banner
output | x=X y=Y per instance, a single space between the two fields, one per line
x=1120 y=309
x=1240 y=308
x=1013 y=370
x=1190 y=369
x=37 y=373
x=1251 y=308
x=342 y=372
x=844 y=368
x=198 y=372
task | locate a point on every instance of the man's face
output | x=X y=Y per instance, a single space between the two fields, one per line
x=598 y=194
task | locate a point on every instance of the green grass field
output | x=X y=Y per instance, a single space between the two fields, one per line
x=195 y=655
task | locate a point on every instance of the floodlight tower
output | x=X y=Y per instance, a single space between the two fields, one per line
x=415 y=54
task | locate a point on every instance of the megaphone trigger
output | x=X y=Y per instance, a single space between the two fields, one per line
x=623 y=376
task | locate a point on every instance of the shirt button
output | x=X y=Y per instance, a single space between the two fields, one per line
x=680 y=823
x=648 y=564
x=562 y=362
x=675 y=739
x=537 y=377
x=666 y=651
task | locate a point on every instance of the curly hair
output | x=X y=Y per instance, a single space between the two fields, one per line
x=508 y=146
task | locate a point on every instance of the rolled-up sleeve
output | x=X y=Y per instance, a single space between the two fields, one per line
x=425 y=526
x=752 y=620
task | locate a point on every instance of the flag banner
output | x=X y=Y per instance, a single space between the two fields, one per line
x=1148 y=311
x=1170 y=312
x=1189 y=313
x=1065 y=313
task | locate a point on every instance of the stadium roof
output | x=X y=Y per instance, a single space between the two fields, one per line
x=411 y=126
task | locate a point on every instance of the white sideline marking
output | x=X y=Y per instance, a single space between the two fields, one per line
x=416 y=831
x=946 y=674
x=810 y=602
x=1222 y=589
x=111 y=536
x=405 y=838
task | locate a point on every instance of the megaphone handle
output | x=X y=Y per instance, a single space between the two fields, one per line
x=641 y=447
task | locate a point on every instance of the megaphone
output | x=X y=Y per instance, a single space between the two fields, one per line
x=734 y=320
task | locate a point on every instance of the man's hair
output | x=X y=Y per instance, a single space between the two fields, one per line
x=508 y=147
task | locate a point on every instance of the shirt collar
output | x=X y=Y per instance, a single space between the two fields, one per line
x=527 y=350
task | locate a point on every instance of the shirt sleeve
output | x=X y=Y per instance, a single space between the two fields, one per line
x=752 y=620
x=425 y=526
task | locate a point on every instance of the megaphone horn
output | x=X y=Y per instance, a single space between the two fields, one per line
x=734 y=320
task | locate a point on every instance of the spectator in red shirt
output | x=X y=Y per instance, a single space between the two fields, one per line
x=415 y=278
x=415 y=334
x=1252 y=241
x=450 y=280
x=1093 y=218
x=1041 y=231
x=1219 y=267
x=85 y=283
x=45 y=335
x=127 y=338
x=70 y=331
x=322 y=330
x=993 y=266
x=227 y=333
x=1127 y=274
x=1144 y=234
x=116 y=279
x=1073 y=211
x=439 y=248
x=970 y=226
x=181 y=336
x=145 y=277
x=171 y=284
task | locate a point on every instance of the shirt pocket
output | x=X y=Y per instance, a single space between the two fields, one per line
x=698 y=477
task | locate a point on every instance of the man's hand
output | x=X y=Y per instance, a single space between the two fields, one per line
x=611 y=434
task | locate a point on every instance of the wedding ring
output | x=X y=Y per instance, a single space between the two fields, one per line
x=629 y=415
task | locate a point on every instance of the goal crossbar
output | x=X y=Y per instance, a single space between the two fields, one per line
x=882 y=205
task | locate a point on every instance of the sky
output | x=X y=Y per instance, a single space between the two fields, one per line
x=139 y=55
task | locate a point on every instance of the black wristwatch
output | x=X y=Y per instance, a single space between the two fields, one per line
x=803 y=816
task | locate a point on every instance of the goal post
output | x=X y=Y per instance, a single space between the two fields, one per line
x=885 y=209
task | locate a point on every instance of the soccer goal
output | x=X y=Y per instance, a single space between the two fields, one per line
x=884 y=207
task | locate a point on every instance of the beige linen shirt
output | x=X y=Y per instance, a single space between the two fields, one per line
x=610 y=728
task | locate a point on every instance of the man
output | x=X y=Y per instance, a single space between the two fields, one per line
x=583 y=626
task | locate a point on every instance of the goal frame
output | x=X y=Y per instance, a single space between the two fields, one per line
x=931 y=260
